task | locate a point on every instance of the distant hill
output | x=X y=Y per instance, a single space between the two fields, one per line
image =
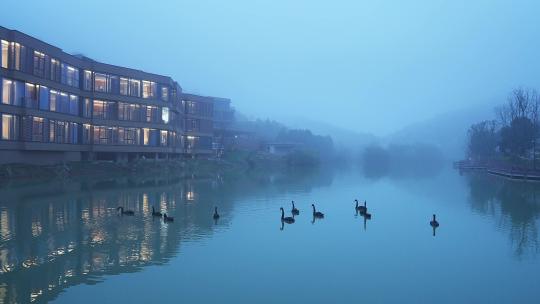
x=447 y=131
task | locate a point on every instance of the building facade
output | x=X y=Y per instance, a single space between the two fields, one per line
x=223 y=120
x=198 y=127
x=57 y=107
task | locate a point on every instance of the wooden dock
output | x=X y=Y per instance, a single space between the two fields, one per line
x=509 y=173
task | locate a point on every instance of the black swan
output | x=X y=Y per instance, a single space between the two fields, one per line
x=216 y=215
x=316 y=213
x=288 y=219
x=126 y=212
x=167 y=218
x=294 y=210
x=154 y=213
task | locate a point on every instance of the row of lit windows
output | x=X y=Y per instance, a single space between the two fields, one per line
x=40 y=97
x=39 y=129
x=13 y=56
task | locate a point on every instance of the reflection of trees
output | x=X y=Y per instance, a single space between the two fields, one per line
x=59 y=234
x=515 y=205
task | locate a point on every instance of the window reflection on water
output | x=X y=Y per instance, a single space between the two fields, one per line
x=60 y=234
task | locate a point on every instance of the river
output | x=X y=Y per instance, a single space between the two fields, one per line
x=64 y=242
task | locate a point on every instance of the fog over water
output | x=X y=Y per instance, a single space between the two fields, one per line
x=363 y=66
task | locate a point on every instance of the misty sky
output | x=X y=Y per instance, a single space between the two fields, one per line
x=370 y=66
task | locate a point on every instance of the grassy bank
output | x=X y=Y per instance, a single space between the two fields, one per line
x=233 y=163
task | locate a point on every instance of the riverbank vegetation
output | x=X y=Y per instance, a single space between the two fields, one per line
x=510 y=139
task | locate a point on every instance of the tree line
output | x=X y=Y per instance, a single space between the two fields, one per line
x=513 y=135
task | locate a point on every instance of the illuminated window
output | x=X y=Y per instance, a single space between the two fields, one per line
x=124 y=86
x=73 y=105
x=99 y=109
x=86 y=134
x=165 y=115
x=70 y=75
x=87 y=108
x=103 y=109
x=151 y=114
x=128 y=111
x=18 y=56
x=128 y=136
x=31 y=96
x=6 y=91
x=54 y=99
x=12 y=92
x=4 y=54
x=87 y=80
x=149 y=89
x=163 y=138
x=55 y=71
x=104 y=135
x=134 y=88
x=100 y=83
x=146 y=136
x=10 y=127
x=39 y=64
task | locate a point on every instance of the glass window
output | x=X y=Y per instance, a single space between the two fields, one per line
x=128 y=111
x=114 y=84
x=54 y=98
x=37 y=129
x=39 y=64
x=86 y=134
x=146 y=136
x=149 y=89
x=87 y=80
x=152 y=114
x=87 y=108
x=43 y=98
x=31 y=96
x=165 y=93
x=124 y=86
x=74 y=104
x=163 y=138
x=165 y=115
x=60 y=132
x=128 y=136
x=10 y=127
x=134 y=88
x=12 y=92
x=64 y=103
x=55 y=71
x=17 y=56
x=101 y=83
x=104 y=135
x=70 y=75
x=7 y=91
x=99 y=109
x=74 y=132
x=4 y=54
x=104 y=109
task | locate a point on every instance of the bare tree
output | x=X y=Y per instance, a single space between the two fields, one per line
x=522 y=104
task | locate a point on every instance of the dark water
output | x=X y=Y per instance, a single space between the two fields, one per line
x=65 y=243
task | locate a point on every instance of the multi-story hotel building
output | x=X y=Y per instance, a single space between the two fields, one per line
x=61 y=107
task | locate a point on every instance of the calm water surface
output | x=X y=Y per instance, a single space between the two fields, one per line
x=64 y=242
